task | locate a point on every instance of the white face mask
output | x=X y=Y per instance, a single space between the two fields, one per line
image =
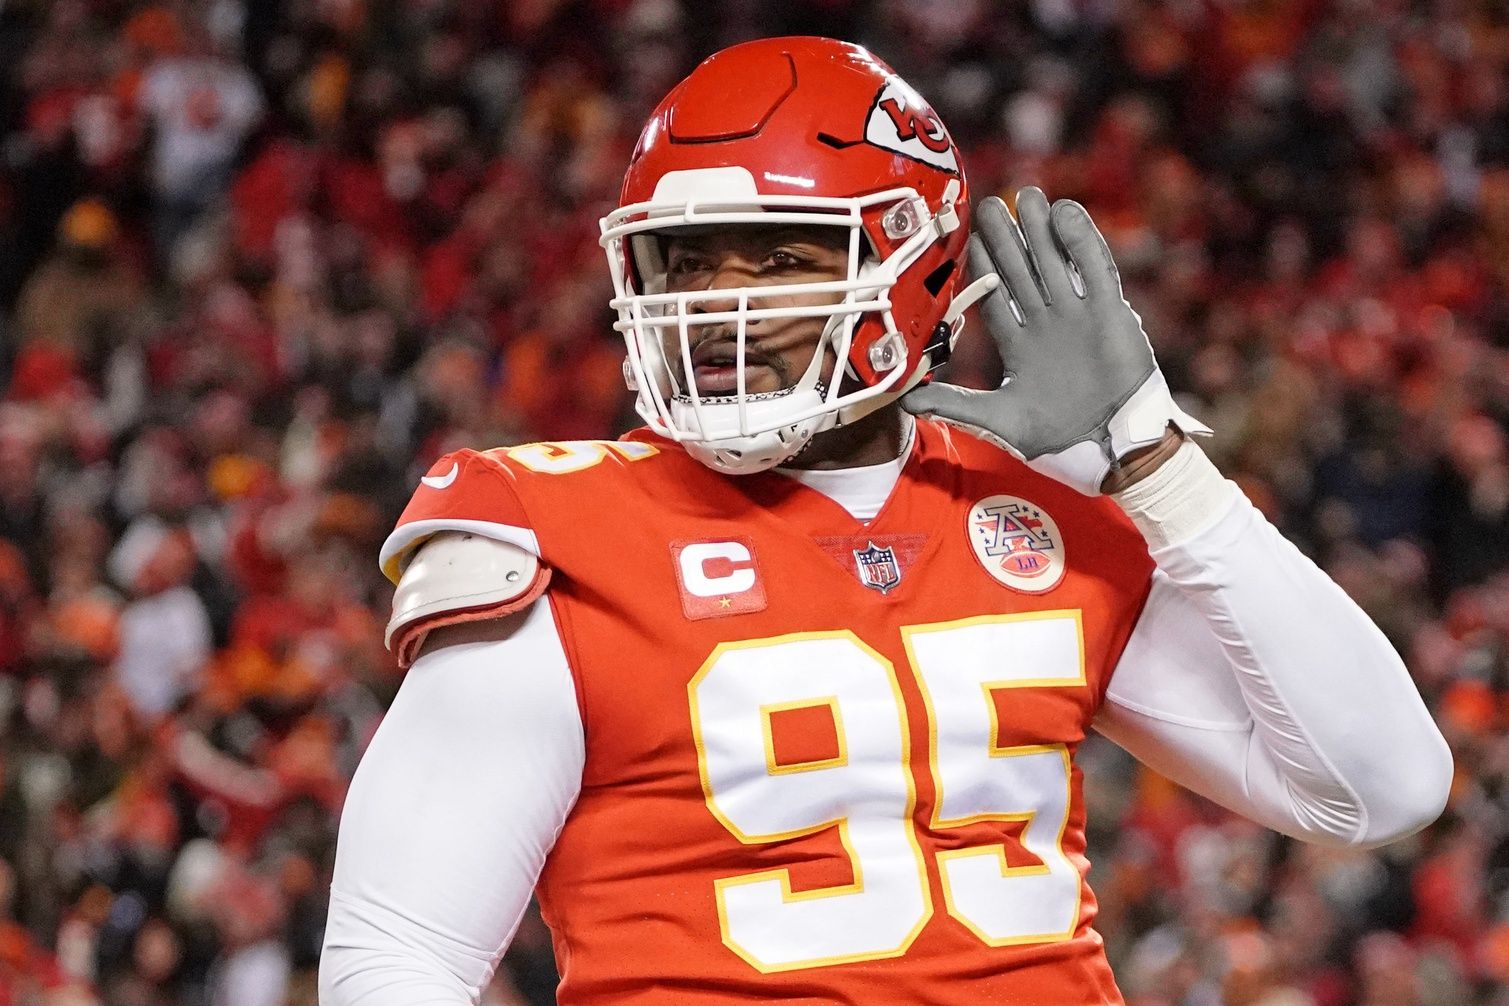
x=741 y=432
x=747 y=432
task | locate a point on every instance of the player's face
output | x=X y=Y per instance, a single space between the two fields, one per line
x=777 y=350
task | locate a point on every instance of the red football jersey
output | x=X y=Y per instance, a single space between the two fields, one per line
x=826 y=760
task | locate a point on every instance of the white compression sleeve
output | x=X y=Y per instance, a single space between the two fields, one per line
x=1251 y=678
x=450 y=816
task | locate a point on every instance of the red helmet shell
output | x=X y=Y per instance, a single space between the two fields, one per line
x=818 y=117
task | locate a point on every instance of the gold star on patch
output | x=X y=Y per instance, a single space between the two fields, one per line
x=725 y=602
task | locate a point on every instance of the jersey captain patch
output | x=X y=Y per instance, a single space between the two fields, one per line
x=1017 y=543
x=717 y=578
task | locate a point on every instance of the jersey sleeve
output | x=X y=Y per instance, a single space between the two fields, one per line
x=468 y=503
x=467 y=491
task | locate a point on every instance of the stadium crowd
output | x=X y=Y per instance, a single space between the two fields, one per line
x=264 y=261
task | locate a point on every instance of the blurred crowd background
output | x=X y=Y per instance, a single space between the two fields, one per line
x=264 y=261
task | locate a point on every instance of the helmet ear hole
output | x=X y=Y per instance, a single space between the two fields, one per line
x=938 y=278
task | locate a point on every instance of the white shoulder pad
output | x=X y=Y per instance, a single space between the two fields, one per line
x=455 y=572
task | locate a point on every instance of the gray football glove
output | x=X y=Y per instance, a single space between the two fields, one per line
x=1082 y=388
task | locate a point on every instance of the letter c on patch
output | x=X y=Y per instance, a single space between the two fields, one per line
x=711 y=569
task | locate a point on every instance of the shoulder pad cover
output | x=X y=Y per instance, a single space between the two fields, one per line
x=457 y=576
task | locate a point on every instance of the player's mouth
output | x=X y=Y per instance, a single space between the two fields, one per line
x=715 y=367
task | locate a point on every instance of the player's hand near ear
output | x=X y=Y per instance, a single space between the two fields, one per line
x=1083 y=401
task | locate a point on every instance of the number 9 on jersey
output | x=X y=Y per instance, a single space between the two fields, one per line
x=866 y=789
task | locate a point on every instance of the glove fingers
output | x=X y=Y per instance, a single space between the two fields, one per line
x=1079 y=236
x=1052 y=266
x=953 y=403
x=1001 y=316
x=1003 y=242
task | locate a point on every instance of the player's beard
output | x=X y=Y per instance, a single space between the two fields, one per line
x=766 y=352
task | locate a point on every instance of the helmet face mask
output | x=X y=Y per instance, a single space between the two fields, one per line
x=662 y=328
x=706 y=162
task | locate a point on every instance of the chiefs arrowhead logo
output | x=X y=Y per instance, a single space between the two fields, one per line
x=901 y=122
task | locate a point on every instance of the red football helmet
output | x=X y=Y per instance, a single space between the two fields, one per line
x=792 y=131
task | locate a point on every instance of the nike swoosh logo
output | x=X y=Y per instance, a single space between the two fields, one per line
x=443 y=481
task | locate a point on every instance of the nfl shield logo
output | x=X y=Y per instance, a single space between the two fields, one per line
x=877 y=567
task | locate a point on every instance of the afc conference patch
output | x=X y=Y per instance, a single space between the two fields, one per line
x=877 y=567
x=1017 y=543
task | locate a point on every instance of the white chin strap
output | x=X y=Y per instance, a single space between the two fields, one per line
x=745 y=455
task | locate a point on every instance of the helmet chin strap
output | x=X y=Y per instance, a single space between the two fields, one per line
x=746 y=455
x=966 y=299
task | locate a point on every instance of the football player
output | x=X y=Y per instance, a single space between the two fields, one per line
x=778 y=698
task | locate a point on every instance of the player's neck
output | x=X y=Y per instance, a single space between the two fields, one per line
x=873 y=440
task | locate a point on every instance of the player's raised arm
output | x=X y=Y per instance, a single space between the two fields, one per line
x=1254 y=680
x=1251 y=677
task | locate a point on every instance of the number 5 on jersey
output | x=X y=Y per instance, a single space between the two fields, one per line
x=867 y=792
